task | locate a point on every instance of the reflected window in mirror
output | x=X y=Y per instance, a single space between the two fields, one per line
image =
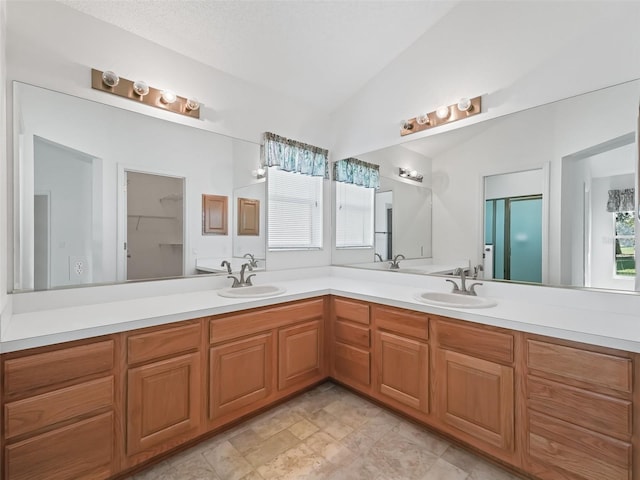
x=354 y=215
x=625 y=243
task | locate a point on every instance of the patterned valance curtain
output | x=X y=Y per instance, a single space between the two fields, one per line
x=357 y=172
x=621 y=200
x=293 y=156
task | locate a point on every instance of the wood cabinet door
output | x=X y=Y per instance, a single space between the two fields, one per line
x=476 y=397
x=83 y=450
x=163 y=402
x=300 y=354
x=214 y=215
x=402 y=370
x=248 y=216
x=240 y=373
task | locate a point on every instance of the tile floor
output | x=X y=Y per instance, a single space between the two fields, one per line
x=327 y=433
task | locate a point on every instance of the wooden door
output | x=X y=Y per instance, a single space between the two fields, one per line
x=248 y=216
x=402 y=370
x=214 y=214
x=476 y=397
x=163 y=402
x=300 y=350
x=240 y=374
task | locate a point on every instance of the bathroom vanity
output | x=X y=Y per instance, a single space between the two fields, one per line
x=545 y=405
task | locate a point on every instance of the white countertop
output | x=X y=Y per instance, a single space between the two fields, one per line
x=599 y=318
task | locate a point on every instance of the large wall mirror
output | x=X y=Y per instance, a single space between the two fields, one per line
x=543 y=196
x=105 y=195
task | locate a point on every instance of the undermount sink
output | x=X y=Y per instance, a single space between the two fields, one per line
x=455 y=300
x=255 y=291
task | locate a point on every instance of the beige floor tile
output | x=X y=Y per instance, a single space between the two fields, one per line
x=297 y=463
x=252 y=476
x=399 y=457
x=461 y=458
x=359 y=469
x=330 y=449
x=358 y=442
x=271 y=448
x=347 y=413
x=194 y=468
x=330 y=424
x=422 y=436
x=303 y=429
x=487 y=471
x=160 y=471
x=227 y=462
x=378 y=426
x=443 y=470
x=275 y=422
x=246 y=440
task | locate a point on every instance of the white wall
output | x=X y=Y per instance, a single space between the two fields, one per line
x=4 y=251
x=517 y=184
x=515 y=54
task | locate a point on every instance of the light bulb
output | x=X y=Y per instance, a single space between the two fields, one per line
x=168 y=96
x=140 y=88
x=192 y=104
x=464 y=104
x=413 y=174
x=406 y=125
x=422 y=119
x=110 y=79
x=442 y=112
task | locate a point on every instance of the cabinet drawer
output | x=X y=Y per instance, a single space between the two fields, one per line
x=582 y=365
x=584 y=454
x=478 y=342
x=352 y=334
x=594 y=411
x=59 y=366
x=83 y=450
x=351 y=310
x=240 y=325
x=352 y=364
x=161 y=343
x=35 y=413
x=402 y=321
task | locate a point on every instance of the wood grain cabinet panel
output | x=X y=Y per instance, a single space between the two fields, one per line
x=148 y=346
x=80 y=451
x=215 y=214
x=565 y=451
x=405 y=322
x=476 y=397
x=163 y=402
x=36 y=413
x=300 y=354
x=402 y=370
x=352 y=310
x=352 y=366
x=240 y=374
x=59 y=366
x=352 y=334
x=492 y=345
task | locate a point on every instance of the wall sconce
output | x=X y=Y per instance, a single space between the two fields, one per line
x=444 y=114
x=410 y=174
x=260 y=172
x=141 y=92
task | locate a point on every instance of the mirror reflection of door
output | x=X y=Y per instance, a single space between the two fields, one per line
x=65 y=250
x=513 y=226
x=383 y=224
x=155 y=227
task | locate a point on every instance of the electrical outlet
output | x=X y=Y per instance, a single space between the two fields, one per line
x=78 y=269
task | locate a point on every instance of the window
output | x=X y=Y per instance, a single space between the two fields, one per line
x=354 y=215
x=625 y=243
x=295 y=210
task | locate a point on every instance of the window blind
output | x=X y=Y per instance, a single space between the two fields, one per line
x=354 y=215
x=295 y=210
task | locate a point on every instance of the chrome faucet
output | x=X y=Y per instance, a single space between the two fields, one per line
x=462 y=290
x=241 y=282
x=253 y=263
x=377 y=256
x=395 y=263
x=226 y=264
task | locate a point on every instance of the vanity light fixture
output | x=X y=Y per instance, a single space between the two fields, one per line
x=410 y=174
x=260 y=172
x=140 y=88
x=464 y=108
x=141 y=92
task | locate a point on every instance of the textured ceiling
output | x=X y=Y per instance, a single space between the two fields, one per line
x=316 y=51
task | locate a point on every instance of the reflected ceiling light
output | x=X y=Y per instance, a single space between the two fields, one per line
x=443 y=112
x=192 y=104
x=110 y=79
x=465 y=107
x=464 y=104
x=422 y=119
x=140 y=88
x=410 y=174
x=260 y=172
x=168 y=96
x=141 y=92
